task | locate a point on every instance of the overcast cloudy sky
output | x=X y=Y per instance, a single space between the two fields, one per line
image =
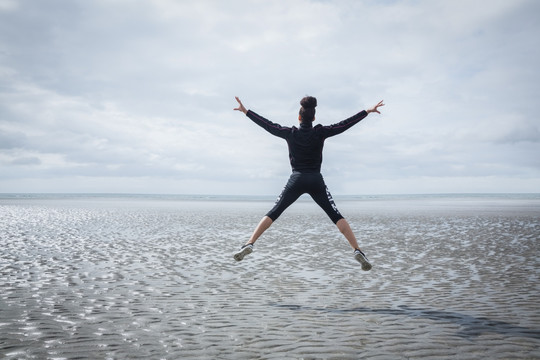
x=137 y=96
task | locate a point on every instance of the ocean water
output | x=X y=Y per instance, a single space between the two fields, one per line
x=148 y=276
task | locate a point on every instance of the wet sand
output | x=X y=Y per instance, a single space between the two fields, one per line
x=155 y=279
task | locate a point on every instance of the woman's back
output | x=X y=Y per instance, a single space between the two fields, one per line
x=305 y=143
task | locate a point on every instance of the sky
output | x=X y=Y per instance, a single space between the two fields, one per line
x=118 y=96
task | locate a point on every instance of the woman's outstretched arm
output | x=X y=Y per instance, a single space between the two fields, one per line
x=272 y=128
x=338 y=128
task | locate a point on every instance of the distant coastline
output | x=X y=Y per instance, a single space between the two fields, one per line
x=207 y=197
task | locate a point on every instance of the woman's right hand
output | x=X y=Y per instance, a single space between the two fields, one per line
x=375 y=108
x=241 y=106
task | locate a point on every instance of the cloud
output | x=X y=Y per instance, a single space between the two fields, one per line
x=141 y=93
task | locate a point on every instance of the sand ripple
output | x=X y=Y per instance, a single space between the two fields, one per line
x=156 y=280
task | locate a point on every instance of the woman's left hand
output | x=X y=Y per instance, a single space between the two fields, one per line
x=241 y=106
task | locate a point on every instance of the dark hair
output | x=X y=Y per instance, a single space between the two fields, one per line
x=307 y=111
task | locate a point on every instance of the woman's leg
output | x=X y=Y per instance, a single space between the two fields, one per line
x=346 y=230
x=288 y=196
x=291 y=192
x=247 y=249
x=264 y=224
x=324 y=199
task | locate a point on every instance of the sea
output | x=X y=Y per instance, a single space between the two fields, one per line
x=134 y=276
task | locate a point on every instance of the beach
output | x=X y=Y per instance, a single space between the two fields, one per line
x=146 y=277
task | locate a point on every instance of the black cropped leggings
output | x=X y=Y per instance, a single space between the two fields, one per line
x=302 y=183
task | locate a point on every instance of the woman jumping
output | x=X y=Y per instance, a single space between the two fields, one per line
x=305 y=154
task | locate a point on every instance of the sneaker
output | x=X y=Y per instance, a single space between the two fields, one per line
x=362 y=259
x=244 y=250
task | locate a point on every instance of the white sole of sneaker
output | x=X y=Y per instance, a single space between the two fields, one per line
x=366 y=266
x=239 y=256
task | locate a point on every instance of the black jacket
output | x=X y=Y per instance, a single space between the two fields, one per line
x=306 y=143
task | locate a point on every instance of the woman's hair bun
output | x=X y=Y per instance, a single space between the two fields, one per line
x=308 y=102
